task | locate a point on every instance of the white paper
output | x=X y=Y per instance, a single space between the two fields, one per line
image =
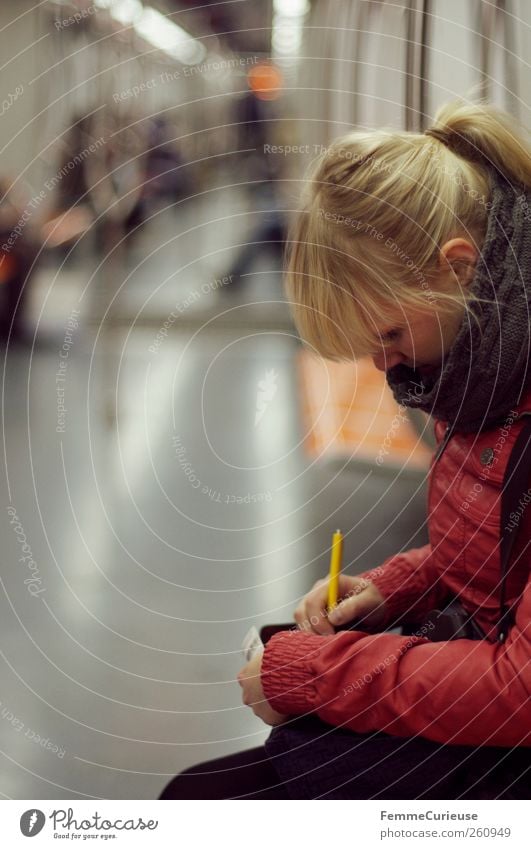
x=252 y=644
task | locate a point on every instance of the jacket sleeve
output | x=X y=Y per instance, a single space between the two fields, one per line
x=464 y=692
x=410 y=584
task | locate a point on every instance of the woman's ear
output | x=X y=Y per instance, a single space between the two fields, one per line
x=460 y=256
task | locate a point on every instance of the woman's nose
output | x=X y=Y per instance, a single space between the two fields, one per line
x=387 y=360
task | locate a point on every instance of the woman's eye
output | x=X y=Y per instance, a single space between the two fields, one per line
x=391 y=336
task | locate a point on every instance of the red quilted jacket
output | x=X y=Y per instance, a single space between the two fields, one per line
x=459 y=692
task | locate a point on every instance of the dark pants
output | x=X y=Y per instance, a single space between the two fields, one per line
x=308 y=760
x=247 y=775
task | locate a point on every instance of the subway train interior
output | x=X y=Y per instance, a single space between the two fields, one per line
x=176 y=458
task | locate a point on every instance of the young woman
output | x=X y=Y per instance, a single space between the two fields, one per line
x=414 y=249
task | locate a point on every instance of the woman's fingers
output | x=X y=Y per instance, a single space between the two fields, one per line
x=316 y=608
x=365 y=603
x=311 y=614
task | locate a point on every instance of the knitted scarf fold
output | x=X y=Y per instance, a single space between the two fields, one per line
x=487 y=369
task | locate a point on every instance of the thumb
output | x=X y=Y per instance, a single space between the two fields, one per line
x=351 y=608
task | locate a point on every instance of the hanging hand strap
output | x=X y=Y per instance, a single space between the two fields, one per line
x=515 y=496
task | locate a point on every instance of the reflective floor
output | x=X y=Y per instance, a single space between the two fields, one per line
x=157 y=502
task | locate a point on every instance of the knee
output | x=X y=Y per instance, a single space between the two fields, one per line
x=179 y=787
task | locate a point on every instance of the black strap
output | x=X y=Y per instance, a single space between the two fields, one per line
x=514 y=499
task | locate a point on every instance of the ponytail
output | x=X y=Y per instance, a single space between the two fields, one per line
x=487 y=135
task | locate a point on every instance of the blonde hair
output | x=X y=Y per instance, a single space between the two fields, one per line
x=377 y=207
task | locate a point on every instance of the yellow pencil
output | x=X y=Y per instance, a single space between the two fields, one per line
x=335 y=568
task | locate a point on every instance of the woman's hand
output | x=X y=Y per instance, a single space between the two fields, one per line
x=253 y=694
x=358 y=598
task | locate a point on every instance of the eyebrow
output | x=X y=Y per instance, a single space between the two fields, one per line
x=390 y=332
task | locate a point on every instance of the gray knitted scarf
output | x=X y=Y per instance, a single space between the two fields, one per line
x=485 y=372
